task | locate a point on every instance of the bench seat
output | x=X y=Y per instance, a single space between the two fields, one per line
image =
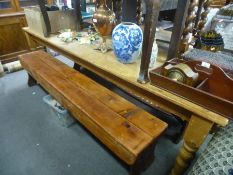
x=128 y=131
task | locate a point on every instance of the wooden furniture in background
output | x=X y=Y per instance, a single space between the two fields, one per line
x=199 y=119
x=12 y=38
x=12 y=19
x=117 y=7
x=193 y=26
x=201 y=18
x=180 y=18
x=151 y=19
x=218 y=3
x=187 y=23
x=188 y=27
x=125 y=129
x=139 y=12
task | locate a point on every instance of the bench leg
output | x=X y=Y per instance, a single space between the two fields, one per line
x=31 y=81
x=143 y=161
x=77 y=67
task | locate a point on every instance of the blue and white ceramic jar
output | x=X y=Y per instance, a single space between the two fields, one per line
x=127 y=42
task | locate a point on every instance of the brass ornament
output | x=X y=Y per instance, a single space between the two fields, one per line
x=181 y=73
x=104 y=22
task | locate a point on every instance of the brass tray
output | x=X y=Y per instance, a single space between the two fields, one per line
x=213 y=90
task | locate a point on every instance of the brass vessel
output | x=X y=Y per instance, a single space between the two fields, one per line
x=181 y=73
x=104 y=22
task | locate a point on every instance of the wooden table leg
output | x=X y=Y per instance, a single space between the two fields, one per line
x=195 y=134
x=32 y=44
x=29 y=41
x=45 y=17
x=77 y=67
x=152 y=14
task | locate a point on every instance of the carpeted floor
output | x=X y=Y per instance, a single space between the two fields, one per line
x=33 y=142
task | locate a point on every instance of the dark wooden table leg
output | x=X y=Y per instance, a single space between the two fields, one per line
x=77 y=67
x=78 y=16
x=188 y=28
x=31 y=81
x=139 y=12
x=151 y=20
x=203 y=15
x=197 y=18
x=45 y=17
x=180 y=18
x=117 y=7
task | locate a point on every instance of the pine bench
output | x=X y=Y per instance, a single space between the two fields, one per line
x=128 y=131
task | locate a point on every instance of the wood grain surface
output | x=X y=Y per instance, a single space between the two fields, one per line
x=121 y=126
x=12 y=39
x=151 y=125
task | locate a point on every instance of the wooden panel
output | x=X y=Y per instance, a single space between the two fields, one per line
x=122 y=136
x=12 y=37
x=151 y=125
x=217 y=3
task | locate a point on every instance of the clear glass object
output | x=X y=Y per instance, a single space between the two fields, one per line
x=103 y=45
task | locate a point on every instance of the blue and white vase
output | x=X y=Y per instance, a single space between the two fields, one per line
x=127 y=42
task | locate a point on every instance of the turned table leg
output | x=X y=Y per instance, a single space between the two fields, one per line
x=118 y=10
x=195 y=134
